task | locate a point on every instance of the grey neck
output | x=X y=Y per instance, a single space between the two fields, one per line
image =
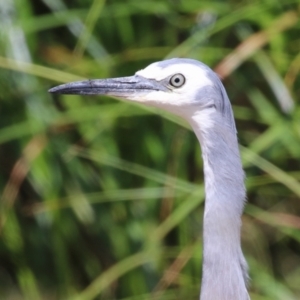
x=224 y=273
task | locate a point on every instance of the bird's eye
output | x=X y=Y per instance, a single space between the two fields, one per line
x=177 y=80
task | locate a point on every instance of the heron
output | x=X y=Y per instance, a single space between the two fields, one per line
x=191 y=90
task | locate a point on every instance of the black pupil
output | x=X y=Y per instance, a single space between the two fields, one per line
x=177 y=80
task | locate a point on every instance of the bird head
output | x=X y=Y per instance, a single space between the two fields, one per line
x=182 y=86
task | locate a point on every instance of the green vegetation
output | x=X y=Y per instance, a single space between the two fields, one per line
x=101 y=199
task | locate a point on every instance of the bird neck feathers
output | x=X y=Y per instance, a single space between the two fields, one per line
x=224 y=267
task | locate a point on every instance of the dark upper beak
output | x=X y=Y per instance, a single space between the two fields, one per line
x=118 y=87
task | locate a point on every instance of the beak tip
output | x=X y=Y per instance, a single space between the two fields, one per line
x=59 y=89
x=52 y=90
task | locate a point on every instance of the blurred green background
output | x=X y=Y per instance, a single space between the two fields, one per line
x=101 y=199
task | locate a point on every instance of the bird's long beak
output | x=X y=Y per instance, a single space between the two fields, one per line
x=132 y=87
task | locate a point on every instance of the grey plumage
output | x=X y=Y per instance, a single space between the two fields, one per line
x=190 y=89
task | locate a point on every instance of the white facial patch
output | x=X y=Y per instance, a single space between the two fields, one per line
x=194 y=74
x=184 y=100
x=151 y=71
